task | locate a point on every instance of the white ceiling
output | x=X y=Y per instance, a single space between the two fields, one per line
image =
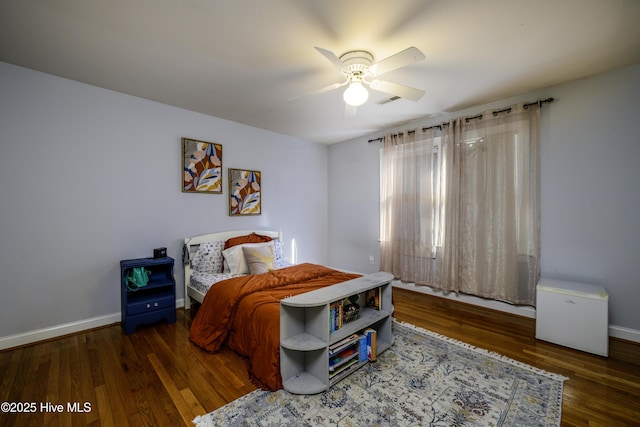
x=242 y=60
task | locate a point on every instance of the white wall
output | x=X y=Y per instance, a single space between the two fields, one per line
x=590 y=189
x=89 y=177
x=354 y=205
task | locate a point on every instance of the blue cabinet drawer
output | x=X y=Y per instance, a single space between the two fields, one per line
x=151 y=304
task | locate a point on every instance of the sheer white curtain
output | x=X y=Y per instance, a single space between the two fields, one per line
x=409 y=209
x=491 y=240
x=475 y=226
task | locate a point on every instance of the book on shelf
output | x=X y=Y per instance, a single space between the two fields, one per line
x=371 y=335
x=374 y=297
x=343 y=357
x=362 y=346
x=344 y=368
x=335 y=316
x=342 y=344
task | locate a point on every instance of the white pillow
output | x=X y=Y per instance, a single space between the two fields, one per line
x=208 y=257
x=234 y=261
x=279 y=254
x=259 y=260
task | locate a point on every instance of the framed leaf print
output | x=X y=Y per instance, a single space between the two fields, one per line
x=202 y=166
x=245 y=192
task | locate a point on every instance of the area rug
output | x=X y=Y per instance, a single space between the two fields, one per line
x=424 y=379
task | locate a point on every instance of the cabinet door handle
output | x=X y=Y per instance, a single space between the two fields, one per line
x=148 y=305
x=155 y=304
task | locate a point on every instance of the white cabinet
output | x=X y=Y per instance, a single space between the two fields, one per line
x=306 y=330
x=573 y=314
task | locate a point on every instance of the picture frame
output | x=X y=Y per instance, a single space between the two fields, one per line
x=201 y=166
x=245 y=192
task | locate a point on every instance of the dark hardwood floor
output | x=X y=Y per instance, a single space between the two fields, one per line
x=156 y=377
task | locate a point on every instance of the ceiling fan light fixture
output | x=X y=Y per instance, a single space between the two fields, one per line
x=358 y=68
x=356 y=94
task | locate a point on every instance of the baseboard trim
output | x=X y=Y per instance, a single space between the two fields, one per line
x=469 y=299
x=615 y=331
x=623 y=333
x=57 y=331
x=31 y=337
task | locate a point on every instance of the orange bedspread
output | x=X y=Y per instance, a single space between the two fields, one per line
x=244 y=313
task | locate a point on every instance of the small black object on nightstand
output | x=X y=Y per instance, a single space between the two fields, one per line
x=159 y=252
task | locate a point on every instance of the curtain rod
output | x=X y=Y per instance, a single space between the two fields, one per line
x=539 y=103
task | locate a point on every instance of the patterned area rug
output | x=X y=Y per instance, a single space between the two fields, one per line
x=424 y=379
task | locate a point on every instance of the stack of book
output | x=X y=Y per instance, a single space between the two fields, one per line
x=345 y=355
x=335 y=316
x=352 y=351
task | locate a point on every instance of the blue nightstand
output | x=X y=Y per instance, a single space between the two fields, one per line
x=153 y=302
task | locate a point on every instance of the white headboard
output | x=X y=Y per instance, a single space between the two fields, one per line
x=191 y=245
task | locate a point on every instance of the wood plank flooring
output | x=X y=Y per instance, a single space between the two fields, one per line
x=156 y=377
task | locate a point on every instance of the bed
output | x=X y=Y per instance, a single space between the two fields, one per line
x=242 y=310
x=197 y=283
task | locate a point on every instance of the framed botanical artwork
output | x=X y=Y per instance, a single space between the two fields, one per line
x=202 y=166
x=245 y=192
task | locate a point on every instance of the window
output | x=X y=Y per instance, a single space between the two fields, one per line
x=459 y=211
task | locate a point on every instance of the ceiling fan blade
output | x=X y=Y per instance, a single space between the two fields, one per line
x=396 y=89
x=349 y=110
x=399 y=60
x=334 y=59
x=318 y=91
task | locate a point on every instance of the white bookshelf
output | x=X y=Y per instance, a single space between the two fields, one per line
x=305 y=331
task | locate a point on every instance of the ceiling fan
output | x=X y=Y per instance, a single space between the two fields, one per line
x=358 y=68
